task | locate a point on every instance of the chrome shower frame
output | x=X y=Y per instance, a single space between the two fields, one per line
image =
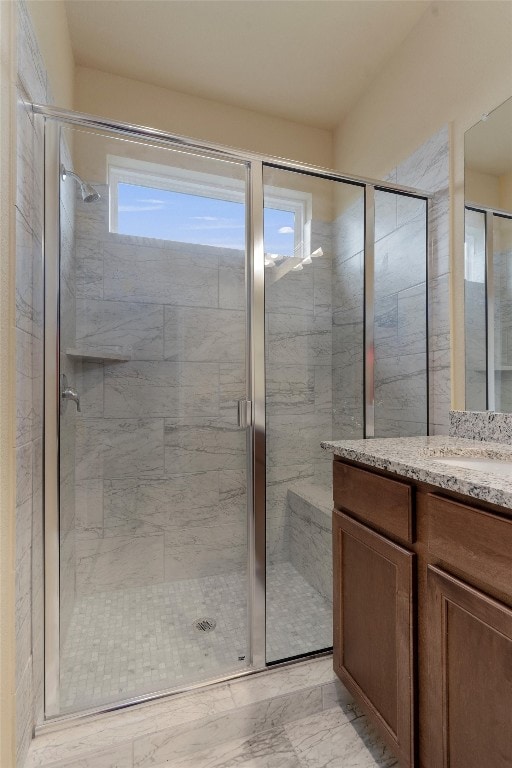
x=490 y=296
x=54 y=118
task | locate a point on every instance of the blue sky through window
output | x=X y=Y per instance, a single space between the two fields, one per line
x=279 y=231
x=167 y=215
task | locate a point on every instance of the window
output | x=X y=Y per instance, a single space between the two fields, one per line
x=167 y=215
x=155 y=201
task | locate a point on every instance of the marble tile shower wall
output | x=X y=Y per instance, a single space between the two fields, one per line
x=429 y=168
x=31 y=85
x=299 y=383
x=160 y=460
x=400 y=316
x=399 y=305
x=348 y=322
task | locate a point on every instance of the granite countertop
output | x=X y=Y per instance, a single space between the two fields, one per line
x=420 y=458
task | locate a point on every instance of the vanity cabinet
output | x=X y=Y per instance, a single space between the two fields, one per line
x=373 y=628
x=423 y=617
x=470 y=675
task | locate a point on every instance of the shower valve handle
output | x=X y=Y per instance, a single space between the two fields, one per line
x=72 y=394
x=68 y=393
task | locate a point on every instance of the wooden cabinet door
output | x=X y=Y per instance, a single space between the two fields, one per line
x=373 y=629
x=469 y=676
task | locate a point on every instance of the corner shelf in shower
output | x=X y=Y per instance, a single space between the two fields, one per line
x=497 y=369
x=100 y=356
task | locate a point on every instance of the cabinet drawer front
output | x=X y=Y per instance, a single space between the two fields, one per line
x=377 y=500
x=473 y=541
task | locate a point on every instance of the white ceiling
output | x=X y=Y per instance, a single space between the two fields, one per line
x=304 y=60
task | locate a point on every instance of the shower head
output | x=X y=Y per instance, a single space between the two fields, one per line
x=89 y=194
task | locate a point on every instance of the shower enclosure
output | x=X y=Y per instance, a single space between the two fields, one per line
x=210 y=317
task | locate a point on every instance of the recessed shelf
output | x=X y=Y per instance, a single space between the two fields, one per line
x=98 y=356
x=497 y=369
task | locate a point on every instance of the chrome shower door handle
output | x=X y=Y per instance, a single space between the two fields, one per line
x=68 y=393
x=244 y=413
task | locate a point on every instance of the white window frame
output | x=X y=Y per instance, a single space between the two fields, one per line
x=156 y=176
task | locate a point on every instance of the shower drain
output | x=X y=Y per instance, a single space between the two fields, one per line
x=205 y=625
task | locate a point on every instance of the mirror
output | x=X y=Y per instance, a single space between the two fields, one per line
x=488 y=261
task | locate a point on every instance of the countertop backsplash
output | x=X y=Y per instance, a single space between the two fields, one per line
x=482 y=425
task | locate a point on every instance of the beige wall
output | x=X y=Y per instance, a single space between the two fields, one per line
x=119 y=98
x=455 y=65
x=51 y=27
x=486 y=189
x=482 y=188
x=505 y=183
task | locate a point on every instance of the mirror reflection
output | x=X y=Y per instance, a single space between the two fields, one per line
x=488 y=261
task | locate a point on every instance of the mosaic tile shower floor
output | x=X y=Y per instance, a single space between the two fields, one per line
x=129 y=642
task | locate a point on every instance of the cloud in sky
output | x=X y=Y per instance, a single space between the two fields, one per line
x=137 y=208
x=212 y=222
x=285 y=230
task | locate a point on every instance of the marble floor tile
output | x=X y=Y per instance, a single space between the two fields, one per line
x=217 y=728
x=332 y=739
x=122 y=726
x=172 y=744
x=270 y=749
x=285 y=680
x=338 y=738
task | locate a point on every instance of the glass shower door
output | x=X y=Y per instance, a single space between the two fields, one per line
x=500 y=323
x=475 y=326
x=153 y=469
x=314 y=326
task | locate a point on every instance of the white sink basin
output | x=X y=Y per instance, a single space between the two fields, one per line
x=500 y=467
